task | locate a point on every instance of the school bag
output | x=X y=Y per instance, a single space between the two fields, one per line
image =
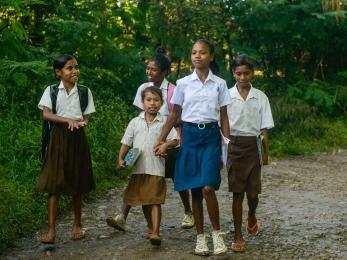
x=47 y=125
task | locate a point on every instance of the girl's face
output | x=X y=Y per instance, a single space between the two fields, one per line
x=152 y=103
x=154 y=74
x=243 y=75
x=69 y=73
x=201 y=56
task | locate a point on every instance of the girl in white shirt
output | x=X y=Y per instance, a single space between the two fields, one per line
x=67 y=166
x=201 y=100
x=147 y=186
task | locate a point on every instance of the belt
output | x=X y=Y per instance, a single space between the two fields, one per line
x=202 y=125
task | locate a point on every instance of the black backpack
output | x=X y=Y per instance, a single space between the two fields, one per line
x=47 y=125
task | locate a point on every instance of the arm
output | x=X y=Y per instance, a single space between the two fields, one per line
x=171 y=120
x=122 y=152
x=224 y=121
x=264 y=133
x=72 y=124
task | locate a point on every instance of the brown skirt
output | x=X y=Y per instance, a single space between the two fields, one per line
x=67 y=167
x=145 y=189
x=244 y=170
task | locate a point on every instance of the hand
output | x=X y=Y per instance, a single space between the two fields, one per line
x=121 y=164
x=72 y=124
x=265 y=159
x=161 y=150
x=82 y=123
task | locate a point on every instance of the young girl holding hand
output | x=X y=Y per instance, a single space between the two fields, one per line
x=147 y=185
x=67 y=167
x=201 y=99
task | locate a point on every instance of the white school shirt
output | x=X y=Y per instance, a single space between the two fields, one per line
x=201 y=102
x=140 y=135
x=163 y=87
x=248 y=117
x=68 y=105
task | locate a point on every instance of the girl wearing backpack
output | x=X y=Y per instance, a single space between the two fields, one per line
x=158 y=68
x=67 y=167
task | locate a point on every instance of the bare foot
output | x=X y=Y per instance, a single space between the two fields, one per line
x=48 y=238
x=77 y=233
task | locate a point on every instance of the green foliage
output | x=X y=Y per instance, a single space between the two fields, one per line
x=300 y=47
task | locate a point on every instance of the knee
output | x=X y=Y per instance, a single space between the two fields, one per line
x=207 y=191
x=196 y=195
x=238 y=196
x=252 y=197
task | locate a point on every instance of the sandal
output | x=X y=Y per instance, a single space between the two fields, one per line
x=78 y=236
x=238 y=247
x=253 y=231
x=155 y=239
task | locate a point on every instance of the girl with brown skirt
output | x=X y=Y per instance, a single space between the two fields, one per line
x=147 y=186
x=67 y=167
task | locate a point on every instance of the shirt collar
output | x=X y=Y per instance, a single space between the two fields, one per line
x=162 y=86
x=234 y=93
x=210 y=76
x=61 y=86
x=158 y=117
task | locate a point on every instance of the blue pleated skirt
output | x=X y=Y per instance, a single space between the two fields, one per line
x=199 y=159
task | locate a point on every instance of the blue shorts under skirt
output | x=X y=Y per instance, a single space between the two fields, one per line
x=199 y=159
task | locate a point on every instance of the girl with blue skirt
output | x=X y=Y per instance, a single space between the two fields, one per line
x=201 y=100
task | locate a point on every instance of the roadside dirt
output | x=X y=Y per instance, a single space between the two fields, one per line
x=303 y=209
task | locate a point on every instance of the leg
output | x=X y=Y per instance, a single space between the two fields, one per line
x=237 y=214
x=185 y=201
x=198 y=212
x=53 y=201
x=212 y=206
x=156 y=218
x=209 y=194
x=77 y=231
x=253 y=201
x=188 y=220
x=148 y=216
x=125 y=210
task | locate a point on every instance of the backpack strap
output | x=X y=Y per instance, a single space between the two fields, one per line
x=83 y=95
x=53 y=89
x=170 y=91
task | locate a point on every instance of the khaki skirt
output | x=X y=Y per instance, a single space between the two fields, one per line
x=145 y=189
x=244 y=170
x=67 y=167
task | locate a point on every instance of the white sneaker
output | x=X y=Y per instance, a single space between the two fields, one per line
x=188 y=221
x=118 y=222
x=201 y=245
x=219 y=247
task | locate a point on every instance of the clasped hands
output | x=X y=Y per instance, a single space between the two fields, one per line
x=73 y=124
x=160 y=149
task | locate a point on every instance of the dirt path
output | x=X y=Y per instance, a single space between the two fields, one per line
x=303 y=210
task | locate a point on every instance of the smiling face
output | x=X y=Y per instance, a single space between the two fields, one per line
x=69 y=73
x=152 y=103
x=154 y=74
x=243 y=75
x=201 y=56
